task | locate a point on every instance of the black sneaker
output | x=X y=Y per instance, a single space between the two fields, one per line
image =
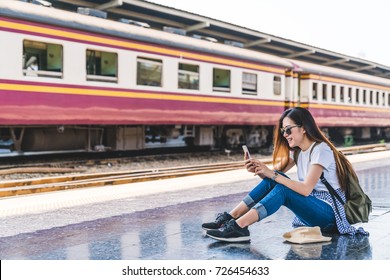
x=222 y=218
x=230 y=232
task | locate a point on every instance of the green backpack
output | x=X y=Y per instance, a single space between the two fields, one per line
x=358 y=205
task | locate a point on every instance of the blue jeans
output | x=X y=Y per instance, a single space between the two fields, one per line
x=268 y=196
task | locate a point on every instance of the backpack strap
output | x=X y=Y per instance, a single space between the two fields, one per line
x=333 y=193
x=331 y=190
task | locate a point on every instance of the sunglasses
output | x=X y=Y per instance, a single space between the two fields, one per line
x=287 y=130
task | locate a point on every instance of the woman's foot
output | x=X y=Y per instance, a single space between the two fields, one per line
x=222 y=218
x=230 y=232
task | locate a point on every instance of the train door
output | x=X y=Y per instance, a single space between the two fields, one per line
x=288 y=86
x=291 y=89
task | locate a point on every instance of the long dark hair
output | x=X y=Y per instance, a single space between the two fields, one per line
x=304 y=118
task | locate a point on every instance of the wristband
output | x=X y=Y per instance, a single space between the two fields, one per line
x=276 y=174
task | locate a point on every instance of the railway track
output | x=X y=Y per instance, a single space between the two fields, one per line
x=48 y=184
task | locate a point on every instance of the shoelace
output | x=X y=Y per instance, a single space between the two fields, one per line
x=229 y=226
x=220 y=218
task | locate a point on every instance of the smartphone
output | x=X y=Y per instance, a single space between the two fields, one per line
x=246 y=151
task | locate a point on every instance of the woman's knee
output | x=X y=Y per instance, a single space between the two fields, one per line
x=265 y=183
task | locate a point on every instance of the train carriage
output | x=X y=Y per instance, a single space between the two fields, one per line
x=74 y=82
x=346 y=104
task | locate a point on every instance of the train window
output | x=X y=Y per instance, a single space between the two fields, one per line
x=324 y=92
x=371 y=97
x=149 y=72
x=102 y=66
x=350 y=95
x=383 y=99
x=315 y=91
x=377 y=98
x=249 y=83
x=357 y=96
x=221 y=80
x=277 y=85
x=188 y=76
x=42 y=59
x=364 y=97
x=333 y=93
x=342 y=94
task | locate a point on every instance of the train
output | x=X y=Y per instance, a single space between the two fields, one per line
x=74 y=82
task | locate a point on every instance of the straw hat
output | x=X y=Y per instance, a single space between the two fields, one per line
x=303 y=235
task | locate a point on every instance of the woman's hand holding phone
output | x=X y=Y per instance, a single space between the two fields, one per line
x=247 y=155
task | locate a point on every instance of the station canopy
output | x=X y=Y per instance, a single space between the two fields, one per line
x=156 y=16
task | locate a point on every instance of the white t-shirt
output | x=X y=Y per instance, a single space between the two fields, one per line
x=322 y=155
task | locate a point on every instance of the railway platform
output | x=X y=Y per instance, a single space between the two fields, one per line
x=161 y=220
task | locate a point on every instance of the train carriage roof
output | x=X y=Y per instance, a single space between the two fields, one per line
x=158 y=16
x=97 y=25
x=321 y=70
